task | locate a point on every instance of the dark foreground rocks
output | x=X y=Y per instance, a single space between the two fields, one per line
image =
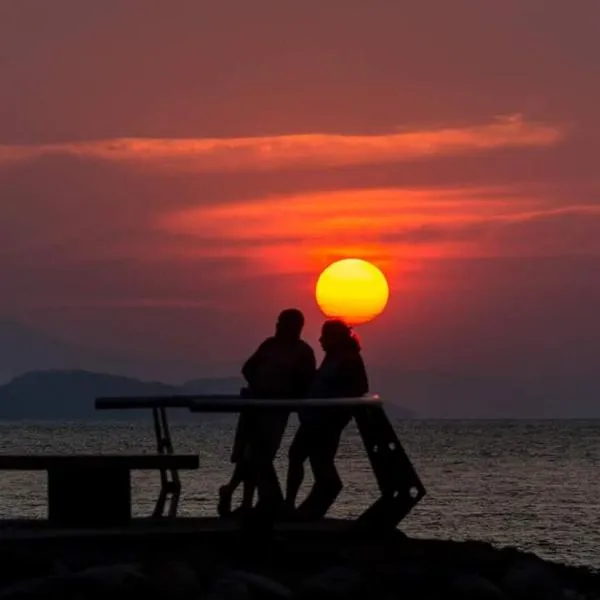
x=285 y=568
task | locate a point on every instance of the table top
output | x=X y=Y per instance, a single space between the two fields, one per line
x=229 y=403
x=237 y=404
x=43 y=462
x=141 y=402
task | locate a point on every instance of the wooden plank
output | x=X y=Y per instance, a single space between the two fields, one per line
x=142 y=402
x=236 y=404
x=84 y=497
x=226 y=403
x=34 y=462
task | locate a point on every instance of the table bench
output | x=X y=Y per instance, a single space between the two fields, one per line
x=92 y=490
x=170 y=483
x=399 y=485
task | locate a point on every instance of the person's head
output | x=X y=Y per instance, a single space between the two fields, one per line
x=337 y=336
x=289 y=324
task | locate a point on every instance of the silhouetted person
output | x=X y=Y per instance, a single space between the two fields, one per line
x=342 y=374
x=283 y=366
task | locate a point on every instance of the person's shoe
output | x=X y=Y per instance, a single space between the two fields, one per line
x=224 y=505
x=288 y=513
x=267 y=511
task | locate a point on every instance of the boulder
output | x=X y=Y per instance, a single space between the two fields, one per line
x=174 y=580
x=532 y=579
x=97 y=582
x=38 y=587
x=472 y=586
x=410 y=579
x=229 y=587
x=260 y=586
x=336 y=582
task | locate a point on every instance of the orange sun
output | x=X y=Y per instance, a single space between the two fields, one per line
x=353 y=290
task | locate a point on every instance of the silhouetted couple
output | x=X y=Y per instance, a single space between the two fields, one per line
x=284 y=366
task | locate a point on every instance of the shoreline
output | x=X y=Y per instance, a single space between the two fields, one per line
x=312 y=562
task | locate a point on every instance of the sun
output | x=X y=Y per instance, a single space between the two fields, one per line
x=353 y=290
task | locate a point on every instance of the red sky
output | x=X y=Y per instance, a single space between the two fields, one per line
x=172 y=174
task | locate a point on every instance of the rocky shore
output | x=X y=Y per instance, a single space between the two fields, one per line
x=280 y=568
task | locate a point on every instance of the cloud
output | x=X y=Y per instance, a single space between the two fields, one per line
x=392 y=226
x=563 y=231
x=307 y=151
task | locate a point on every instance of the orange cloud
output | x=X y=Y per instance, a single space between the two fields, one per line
x=304 y=232
x=299 y=151
x=392 y=227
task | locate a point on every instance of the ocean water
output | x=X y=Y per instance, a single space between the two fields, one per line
x=530 y=484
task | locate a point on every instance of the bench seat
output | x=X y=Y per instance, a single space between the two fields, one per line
x=132 y=462
x=93 y=490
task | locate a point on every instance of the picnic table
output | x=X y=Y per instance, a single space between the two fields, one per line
x=170 y=482
x=92 y=490
x=399 y=485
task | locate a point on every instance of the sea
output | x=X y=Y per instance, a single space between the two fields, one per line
x=534 y=485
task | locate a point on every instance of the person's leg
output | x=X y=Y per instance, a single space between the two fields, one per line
x=270 y=499
x=237 y=477
x=248 y=494
x=266 y=440
x=226 y=491
x=297 y=456
x=328 y=483
x=264 y=476
x=327 y=477
x=240 y=471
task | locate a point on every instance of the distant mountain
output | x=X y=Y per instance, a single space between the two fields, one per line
x=451 y=395
x=56 y=394
x=394 y=411
x=68 y=394
x=24 y=349
x=216 y=385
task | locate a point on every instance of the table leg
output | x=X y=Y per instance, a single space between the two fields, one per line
x=400 y=486
x=170 y=484
x=89 y=497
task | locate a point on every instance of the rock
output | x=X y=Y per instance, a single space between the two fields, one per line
x=98 y=582
x=532 y=580
x=229 y=588
x=409 y=579
x=336 y=582
x=40 y=587
x=472 y=586
x=573 y=595
x=262 y=587
x=20 y=567
x=173 y=579
x=113 y=578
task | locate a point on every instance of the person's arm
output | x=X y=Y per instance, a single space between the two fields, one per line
x=307 y=369
x=250 y=367
x=356 y=380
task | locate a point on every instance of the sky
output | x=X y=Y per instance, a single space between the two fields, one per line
x=172 y=174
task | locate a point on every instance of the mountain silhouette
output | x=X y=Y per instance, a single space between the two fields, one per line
x=24 y=348
x=453 y=395
x=51 y=378
x=213 y=385
x=68 y=394
x=71 y=394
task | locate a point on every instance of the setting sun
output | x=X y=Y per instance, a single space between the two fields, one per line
x=353 y=290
